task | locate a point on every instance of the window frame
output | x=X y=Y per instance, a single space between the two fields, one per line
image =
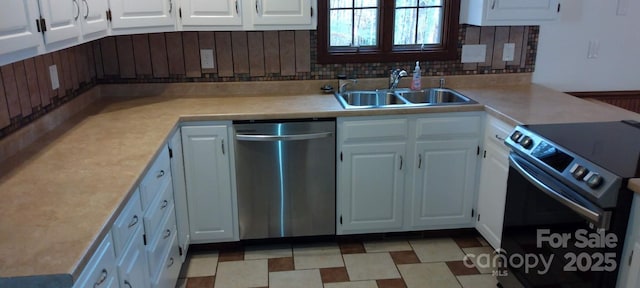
x=385 y=52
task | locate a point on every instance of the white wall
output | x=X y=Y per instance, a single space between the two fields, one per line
x=562 y=62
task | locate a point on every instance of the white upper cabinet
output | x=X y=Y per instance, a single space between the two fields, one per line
x=61 y=19
x=142 y=16
x=94 y=19
x=283 y=12
x=221 y=14
x=19 y=35
x=508 y=12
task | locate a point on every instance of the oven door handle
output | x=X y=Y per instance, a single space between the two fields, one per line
x=295 y=137
x=598 y=217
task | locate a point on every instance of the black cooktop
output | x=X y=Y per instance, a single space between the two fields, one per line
x=614 y=146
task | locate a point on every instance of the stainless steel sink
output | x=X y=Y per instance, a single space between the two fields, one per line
x=370 y=99
x=435 y=96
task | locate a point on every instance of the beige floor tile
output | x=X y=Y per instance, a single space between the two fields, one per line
x=478 y=281
x=437 y=250
x=370 y=266
x=354 y=284
x=387 y=246
x=317 y=256
x=296 y=278
x=428 y=275
x=485 y=262
x=249 y=273
x=202 y=264
x=267 y=251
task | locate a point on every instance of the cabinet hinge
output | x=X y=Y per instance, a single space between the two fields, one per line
x=38 y=25
x=170 y=153
x=340 y=219
x=558 y=8
x=109 y=18
x=478 y=150
x=473 y=213
x=478 y=217
x=180 y=12
x=311 y=11
x=484 y=155
x=631 y=257
x=144 y=239
x=41 y=25
x=340 y=156
x=180 y=250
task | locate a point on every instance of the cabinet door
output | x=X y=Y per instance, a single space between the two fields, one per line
x=94 y=24
x=444 y=183
x=492 y=193
x=100 y=271
x=282 y=12
x=18 y=30
x=211 y=202
x=210 y=13
x=62 y=19
x=370 y=187
x=179 y=194
x=142 y=13
x=521 y=10
x=133 y=270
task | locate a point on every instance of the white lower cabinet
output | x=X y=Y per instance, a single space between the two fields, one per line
x=406 y=173
x=101 y=270
x=179 y=194
x=210 y=184
x=492 y=188
x=133 y=269
x=629 y=274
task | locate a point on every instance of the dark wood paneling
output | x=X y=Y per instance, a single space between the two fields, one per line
x=65 y=70
x=501 y=37
x=525 y=47
x=32 y=82
x=126 y=60
x=271 y=52
x=223 y=54
x=159 y=60
x=287 y=53
x=142 y=54
x=97 y=58
x=240 y=52
x=57 y=60
x=303 y=51
x=11 y=90
x=175 y=53
x=256 y=53
x=487 y=36
x=48 y=61
x=109 y=56
x=44 y=82
x=629 y=100
x=191 y=54
x=471 y=37
x=73 y=68
x=207 y=41
x=23 y=88
x=516 y=34
x=5 y=120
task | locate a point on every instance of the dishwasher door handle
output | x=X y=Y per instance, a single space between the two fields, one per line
x=270 y=138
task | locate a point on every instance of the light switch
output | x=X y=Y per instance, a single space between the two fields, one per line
x=474 y=53
x=206 y=59
x=508 y=51
x=53 y=73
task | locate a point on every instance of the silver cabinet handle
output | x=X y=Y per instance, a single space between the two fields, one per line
x=257 y=12
x=499 y=138
x=164 y=204
x=134 y=221
x=250 y=137
x=237 y=11
x=160 y=174
x=126 y=282
x=400 y=162
x=170 y=262
x=419 y=161
x=170 y=6
x=77 y=10
x=86 y=15
x=167 y=233
x=493 y=4
x=222 y=146
x=103 y=277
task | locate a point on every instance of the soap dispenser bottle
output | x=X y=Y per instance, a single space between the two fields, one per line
x=415 y=84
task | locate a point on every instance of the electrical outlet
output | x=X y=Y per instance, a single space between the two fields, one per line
x=508 y=51
x=206 y=59
x=474 y=53
x=53 y=73
x=593 y=50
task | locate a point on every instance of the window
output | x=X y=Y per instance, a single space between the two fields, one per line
x=387 y=30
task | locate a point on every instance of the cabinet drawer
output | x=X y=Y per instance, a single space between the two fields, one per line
x=365 y=130
x=168 y=276
x=160 y=206
x=157 y=177
x=101 y=271
x=160 y=243
x=497 y=131
x=445 y=127
x=129 y=220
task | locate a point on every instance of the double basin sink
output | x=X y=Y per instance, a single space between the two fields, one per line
x=399 y=98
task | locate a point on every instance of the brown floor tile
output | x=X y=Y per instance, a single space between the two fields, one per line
x=231 y=255
x=351 y=247
x=391 y=283
x=458 y=268
x=331 y=275
x=467 y=242
x=201 y=282
x=281 y=264
x=404 y=257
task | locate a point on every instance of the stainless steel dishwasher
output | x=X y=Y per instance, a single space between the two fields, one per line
x=285 y=176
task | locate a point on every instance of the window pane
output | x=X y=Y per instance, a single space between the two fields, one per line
x=340 y=4
x=341 y=29
x=406 y=3
x=366 y=30
x=430 y=25
x=430 y=3
x=366 y=3
x=405 y=27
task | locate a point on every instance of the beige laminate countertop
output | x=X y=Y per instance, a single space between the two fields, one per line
x=63 y=193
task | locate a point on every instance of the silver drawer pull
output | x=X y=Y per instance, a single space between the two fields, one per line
x=499 y=138
x=103 y=277
x=160 y=174
x=134 y=221
x=167 y=233
x=165 y=203
x=170 y=262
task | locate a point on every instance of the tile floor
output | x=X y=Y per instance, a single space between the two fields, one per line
x=400 y=262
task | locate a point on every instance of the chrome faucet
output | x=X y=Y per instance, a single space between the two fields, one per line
x=343 y=83
x=394 y=77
